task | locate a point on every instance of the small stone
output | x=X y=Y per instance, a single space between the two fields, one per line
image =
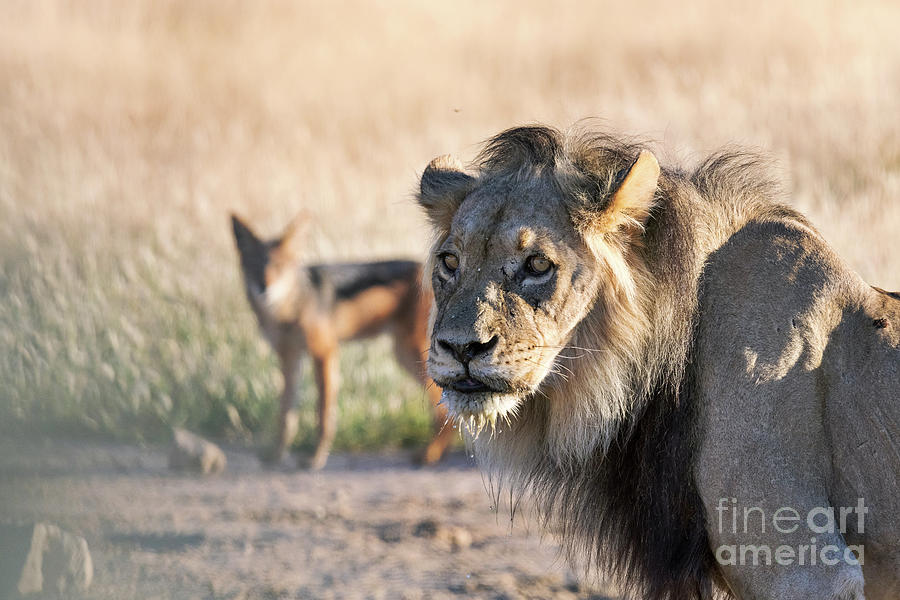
x=192 y=453
x=506 y=582
x=392 y=532
x=460 y=538
x=426 y=529
x=43 y=558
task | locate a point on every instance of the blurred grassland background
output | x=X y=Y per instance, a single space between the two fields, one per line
x=130 y=129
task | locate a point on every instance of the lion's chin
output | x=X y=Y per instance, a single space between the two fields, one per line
x=480 y=410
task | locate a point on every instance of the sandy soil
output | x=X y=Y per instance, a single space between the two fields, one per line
x=365 y=527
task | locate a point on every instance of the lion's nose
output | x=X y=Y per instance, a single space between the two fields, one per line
x=467 y=351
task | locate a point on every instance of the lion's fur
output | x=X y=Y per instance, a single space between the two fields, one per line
x=607 y=443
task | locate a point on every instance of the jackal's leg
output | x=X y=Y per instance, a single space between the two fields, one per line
x=287 y=413
x=444 y=430
x=326 y=368
x=412 y=352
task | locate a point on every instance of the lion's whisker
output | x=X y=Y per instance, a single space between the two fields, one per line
x=567 y=346
x=553 y=368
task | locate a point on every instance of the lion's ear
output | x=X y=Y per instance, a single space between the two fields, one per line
x=443 y=187
x=633 y=196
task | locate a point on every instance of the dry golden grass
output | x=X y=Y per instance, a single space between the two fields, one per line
x=129 y=130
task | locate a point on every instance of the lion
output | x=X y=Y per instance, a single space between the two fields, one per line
x=698 y=395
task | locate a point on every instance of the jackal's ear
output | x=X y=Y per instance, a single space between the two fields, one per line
x=443 y=187
x=292 y=240
x=244 y=237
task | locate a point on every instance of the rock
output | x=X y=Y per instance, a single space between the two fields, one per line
x=508 y=583
x=456 y=537
x=460 y=538
x=392 y=532
x=43 y=558
x=192 y=453
x=427 y=528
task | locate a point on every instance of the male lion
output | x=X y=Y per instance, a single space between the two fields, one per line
x=684 y=376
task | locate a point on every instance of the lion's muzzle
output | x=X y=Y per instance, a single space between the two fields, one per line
x=475 y=391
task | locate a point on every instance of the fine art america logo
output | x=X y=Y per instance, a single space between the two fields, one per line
x=788 y=522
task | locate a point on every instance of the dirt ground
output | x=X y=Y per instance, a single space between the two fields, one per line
x=366 y=527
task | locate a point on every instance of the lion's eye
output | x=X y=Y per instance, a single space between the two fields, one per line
x=450 y=261
x=537 y=265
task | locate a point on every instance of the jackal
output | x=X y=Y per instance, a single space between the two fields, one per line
x=311 y=309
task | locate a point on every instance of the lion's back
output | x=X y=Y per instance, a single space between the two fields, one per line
x=861 y=393
x=799 y=361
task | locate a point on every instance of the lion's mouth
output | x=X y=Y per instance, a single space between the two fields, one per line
x=470 y=385
x=476 y=406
